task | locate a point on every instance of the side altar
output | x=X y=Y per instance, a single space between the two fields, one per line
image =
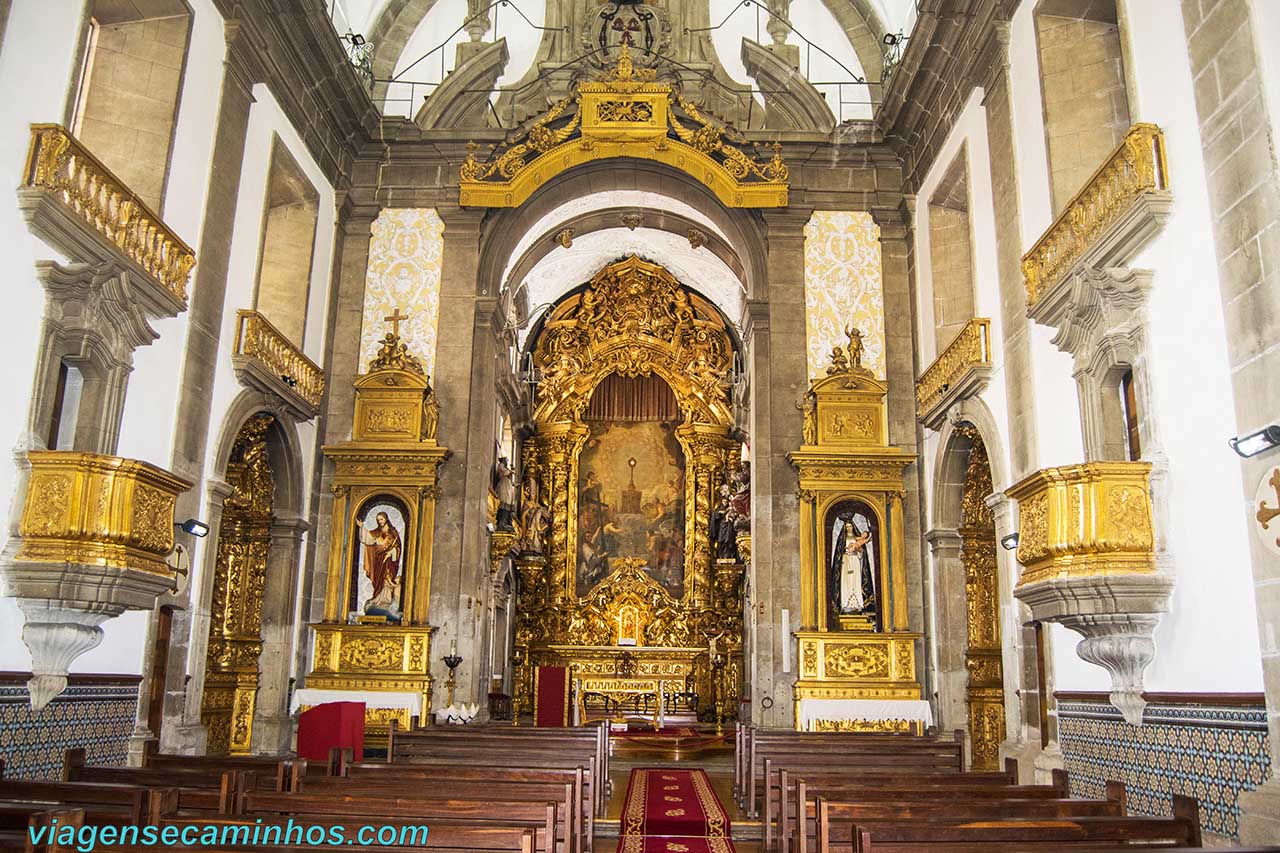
x=858 y=663
x=374 y=643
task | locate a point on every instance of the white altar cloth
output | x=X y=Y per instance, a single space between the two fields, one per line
x=311 y=697
x=916 y=710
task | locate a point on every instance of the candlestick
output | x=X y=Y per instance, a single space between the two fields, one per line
x=453 y=647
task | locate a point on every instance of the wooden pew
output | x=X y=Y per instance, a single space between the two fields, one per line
x=567 y=795
x=891 y=753
x=127 y=803
x=780 y=803
x=553 y=832
x=972 y=836
x=934 y=806
x=384 y=775
x=749 y=740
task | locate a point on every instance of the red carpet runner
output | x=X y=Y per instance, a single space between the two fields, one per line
x=673 y=811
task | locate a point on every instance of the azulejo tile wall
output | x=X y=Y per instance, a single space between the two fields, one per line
x=406 y=252
x=843 y=284
x=98 y=717
x=1207 y=752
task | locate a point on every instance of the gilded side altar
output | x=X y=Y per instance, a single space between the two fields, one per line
x=375 y=634
x=854 y=642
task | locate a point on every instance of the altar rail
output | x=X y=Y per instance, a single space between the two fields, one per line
x=1135 y=167
x=60 y=164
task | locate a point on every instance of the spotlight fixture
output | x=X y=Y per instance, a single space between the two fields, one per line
x=194 y=526
x=1257 y=442
x=356 y=39
x=1009 y=542
x=893 y=39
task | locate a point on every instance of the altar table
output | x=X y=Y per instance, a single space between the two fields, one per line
x=863 y=715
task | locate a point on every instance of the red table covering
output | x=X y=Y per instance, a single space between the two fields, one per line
x=323 y=727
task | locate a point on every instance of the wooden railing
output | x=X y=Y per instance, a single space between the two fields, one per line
x=259 y=340
x=971 y=348
x=1136 y=166
x=59 y=163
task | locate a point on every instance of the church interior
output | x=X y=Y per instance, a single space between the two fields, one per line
x=640 y=425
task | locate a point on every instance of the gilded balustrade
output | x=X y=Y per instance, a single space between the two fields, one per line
x=954 y=367
x=263 y=343
x=1137 y=166
x=58 y=163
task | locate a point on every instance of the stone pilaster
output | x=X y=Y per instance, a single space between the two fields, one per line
x=464 y=382
x=272 y=725
x=950 y=638
x=1239 y=139
x=779 y=378
x=1016 y=346
x=192 y=425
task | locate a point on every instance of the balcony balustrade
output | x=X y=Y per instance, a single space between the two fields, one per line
x=266 y=360
x=961 y=370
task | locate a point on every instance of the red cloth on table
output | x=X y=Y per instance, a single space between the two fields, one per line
x=552 y=708
x=339 y=724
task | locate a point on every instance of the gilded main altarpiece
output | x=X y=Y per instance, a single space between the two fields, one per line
x=617 y=571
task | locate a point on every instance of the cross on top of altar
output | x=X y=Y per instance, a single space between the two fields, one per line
x=395 y=318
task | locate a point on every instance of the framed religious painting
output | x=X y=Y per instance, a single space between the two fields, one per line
x=380 y=542
x=853 y=536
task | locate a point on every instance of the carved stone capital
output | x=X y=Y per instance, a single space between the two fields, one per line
x=1117 y=616
x=943 y=543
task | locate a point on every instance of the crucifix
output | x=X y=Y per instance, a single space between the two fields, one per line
x=395 y=318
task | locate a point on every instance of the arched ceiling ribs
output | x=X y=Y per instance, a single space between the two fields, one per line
x=579 y=226
x=390 y=34
x=866 y=31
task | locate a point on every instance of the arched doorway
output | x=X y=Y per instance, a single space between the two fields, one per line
x=235 y=609
x=984 y=691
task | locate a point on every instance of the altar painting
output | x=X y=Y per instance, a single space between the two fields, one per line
x=380 y=543
x=631 y=502
x=853 y=563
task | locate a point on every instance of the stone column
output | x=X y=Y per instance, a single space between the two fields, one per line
x=779 y=378
x=204 y=325
x=1239 y=139
x=950 y=637
x=464 y=383
x=272 y=725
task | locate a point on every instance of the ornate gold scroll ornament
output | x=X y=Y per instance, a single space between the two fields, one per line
x=625 y=113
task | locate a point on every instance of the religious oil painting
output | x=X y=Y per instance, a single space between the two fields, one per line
x=853 y=553
x=631 y=502
x=379 y=541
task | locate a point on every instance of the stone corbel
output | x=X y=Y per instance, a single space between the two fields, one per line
x=1117 y=616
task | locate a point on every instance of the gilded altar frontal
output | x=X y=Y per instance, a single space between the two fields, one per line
x=816 y=381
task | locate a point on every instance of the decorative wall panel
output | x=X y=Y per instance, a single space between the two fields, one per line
x=96 y=716
x=1207 y=752
x=405 y=256
x=842 y=285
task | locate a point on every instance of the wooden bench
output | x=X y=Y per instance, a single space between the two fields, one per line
x=552 y=831
x=971 y=836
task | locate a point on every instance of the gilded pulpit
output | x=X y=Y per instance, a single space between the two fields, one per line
x=375 y=637
x=857 y=658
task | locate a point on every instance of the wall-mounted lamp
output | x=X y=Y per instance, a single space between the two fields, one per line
x=1009 y=542
x=194 y=526
x=1257 y=442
